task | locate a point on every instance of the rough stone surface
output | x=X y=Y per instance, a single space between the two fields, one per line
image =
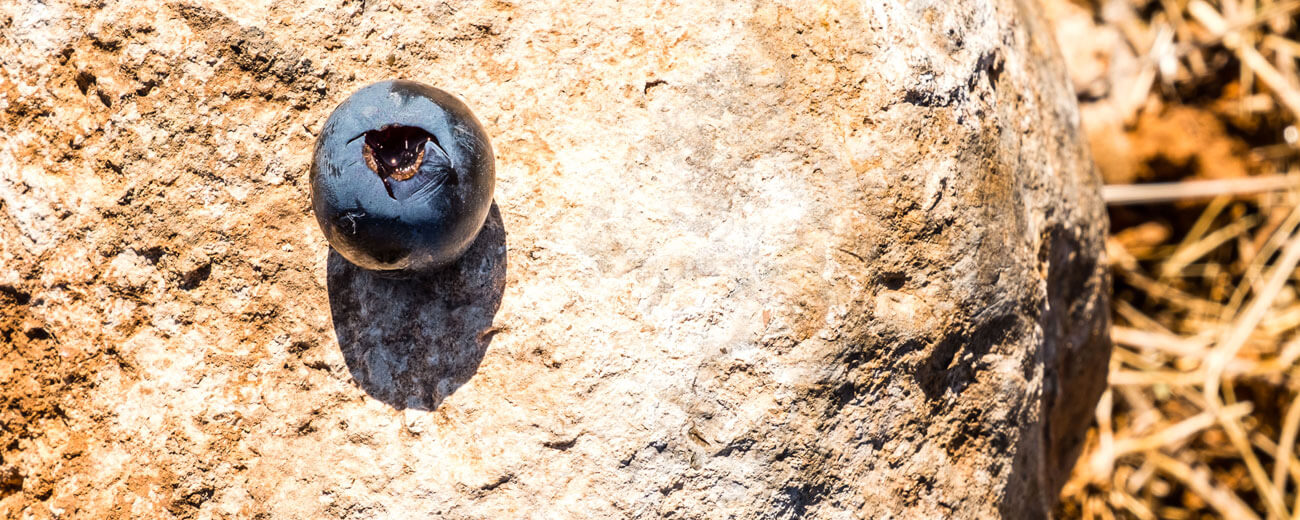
x=749 y=260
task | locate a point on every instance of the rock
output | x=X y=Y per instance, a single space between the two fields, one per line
x=748 y=261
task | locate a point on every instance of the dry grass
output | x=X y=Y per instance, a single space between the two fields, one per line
x=1192 y=107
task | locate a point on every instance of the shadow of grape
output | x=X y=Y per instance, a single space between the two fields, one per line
x=412 y=342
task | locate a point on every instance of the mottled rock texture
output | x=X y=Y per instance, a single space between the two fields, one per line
x=748 y=260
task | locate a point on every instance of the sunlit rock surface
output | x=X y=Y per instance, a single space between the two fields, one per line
x=822 y=260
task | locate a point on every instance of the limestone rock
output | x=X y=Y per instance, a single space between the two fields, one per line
x=824 y=260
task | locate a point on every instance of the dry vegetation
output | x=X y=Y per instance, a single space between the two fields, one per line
x=1191 y=107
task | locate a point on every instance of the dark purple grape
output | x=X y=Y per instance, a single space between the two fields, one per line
x=401 y=177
